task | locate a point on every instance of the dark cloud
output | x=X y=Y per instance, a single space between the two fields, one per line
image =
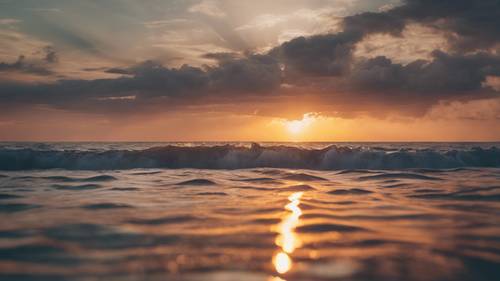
x=256 y=73
x=37 y=67
x=444 y=74
x=471 y=24
x=369 y=22
x=150 y=82
x=50 y=55
x=222 y=56
x=331 y=54
x=21 y=65
x=325 y=63
x=113 y=70
x=320 y=55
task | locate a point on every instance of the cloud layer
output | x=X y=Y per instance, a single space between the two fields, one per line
x=324 y=65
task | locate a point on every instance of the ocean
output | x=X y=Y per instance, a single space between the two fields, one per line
x=248 y=211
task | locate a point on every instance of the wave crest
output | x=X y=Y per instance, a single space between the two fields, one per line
x=238 y=157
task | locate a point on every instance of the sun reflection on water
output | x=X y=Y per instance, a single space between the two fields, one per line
x=287 y=239
x=282 y=262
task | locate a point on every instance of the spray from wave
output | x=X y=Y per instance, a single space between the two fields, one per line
x=238 y=157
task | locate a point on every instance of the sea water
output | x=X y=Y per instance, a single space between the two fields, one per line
x=247 y=211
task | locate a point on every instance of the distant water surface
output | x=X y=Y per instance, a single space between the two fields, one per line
x=353 y=214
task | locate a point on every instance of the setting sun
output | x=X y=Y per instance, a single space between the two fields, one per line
x=296 y=127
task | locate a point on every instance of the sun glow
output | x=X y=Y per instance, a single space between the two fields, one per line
x=282 y=262
x=296 y=127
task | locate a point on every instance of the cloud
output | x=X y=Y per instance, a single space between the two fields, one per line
x=331 y=54
x=151 y=83
x=324 y=65
x=21 y=65
x=9 y=21
x=222 y=56
x=37 y=67
x=471 y=25
x=255 y=73
x=319 y=55
x=207 y=7
x=369 y=22
x=444 y=75
x=416 y=42
x=50 y=55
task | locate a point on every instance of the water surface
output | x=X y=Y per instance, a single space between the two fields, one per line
x=250 y=224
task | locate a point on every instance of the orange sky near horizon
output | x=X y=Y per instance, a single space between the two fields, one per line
x=231 y=127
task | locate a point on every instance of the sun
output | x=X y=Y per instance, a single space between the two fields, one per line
x=296 y=127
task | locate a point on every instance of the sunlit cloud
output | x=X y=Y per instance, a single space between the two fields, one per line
x=417 y=42
x=209 y=8
x=8 y=21
x=298 y=126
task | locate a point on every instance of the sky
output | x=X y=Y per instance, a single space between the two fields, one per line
x=223 y=70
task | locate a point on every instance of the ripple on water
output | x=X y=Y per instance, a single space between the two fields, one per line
x=401 y=185
x=257 y=188
x=17 y=207
x=104 y=237
x=158 y=227
x=328 y=227
x=201 y=182
x=166 y=220
x=146 y=173
x=364 y=243
x=260 y=180
x=426 y=190
x=39 y=253
x=247 y=211
x=266 y=221
x=76 y=187
x=89 y=179
x=296 y=188
x=16 y=233
x=455 y=196
x=381 y=217
x=353 y=191
x=124 y=188
x=212 y=194
x=9 y=196
x=303 y=177
x=100 y=206
x=398 y=176
x=357 y=171
x=442 y=170
x=478 y=189
x=270 y=172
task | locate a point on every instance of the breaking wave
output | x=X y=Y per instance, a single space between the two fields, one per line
x=237 y=157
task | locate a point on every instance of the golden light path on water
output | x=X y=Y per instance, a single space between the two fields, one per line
x=287 y=239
